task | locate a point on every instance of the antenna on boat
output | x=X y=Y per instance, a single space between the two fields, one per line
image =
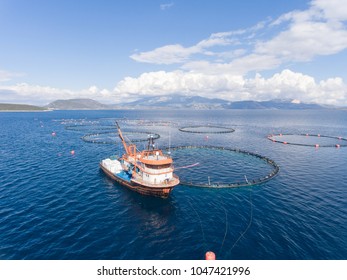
x=169 y=140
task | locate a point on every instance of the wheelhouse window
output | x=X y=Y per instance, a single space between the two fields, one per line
x=158 y=166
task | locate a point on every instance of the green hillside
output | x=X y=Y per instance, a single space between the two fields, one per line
x=20 y=107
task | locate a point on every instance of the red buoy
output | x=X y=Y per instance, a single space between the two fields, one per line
x=318 y=135
x=285 y=142
x=337 y=146
x=317 y=145
x=210 y=255
x=280 y=134
x=72 y=152
x=54 y=134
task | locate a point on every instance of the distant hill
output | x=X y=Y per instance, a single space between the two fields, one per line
x=20 y=107
x=272 y=104
x=198 y=102
x=77 y=104
x=178 y=101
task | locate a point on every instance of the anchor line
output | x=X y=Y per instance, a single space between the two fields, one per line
x=226 y=230
x=249 y=224
x=202 y=229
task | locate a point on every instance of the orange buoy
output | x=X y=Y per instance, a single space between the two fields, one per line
x=210 y=255
x=72 y=152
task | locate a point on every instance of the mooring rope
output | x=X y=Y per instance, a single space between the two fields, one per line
x=201 y=227
x=249 y=223
x=226 y=230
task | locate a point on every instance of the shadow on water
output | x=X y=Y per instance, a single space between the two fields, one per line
x=140 y=203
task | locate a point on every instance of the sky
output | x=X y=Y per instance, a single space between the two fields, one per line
x=120 y=51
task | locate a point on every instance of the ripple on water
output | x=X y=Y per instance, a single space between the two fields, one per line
x=55 y=205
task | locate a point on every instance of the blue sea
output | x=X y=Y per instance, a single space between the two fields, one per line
x=57 y=204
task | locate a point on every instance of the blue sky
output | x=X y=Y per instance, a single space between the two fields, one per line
x=116 y=51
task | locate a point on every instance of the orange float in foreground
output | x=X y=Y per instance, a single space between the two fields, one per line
x=210 y=255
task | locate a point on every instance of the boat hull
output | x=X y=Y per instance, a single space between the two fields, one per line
x=162 y=192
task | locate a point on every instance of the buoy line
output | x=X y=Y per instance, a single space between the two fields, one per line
x=88 y=137
x=222 y=131
x=253 y=182
x=342 y=141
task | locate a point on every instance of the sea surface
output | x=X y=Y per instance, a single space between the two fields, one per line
x=55 y=203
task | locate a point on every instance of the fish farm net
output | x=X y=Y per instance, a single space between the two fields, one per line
x=220 y=167
x=206 y=129
x=310 y=140
x=90 y=127
x=112 y=137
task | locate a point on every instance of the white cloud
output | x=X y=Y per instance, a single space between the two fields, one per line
x=238 y=66
x=166 y=6
x=176 y=53
x=36 y=94
x=221 y=65
x=218 y=65
x=300 y=36
x=7 y=76
x=309 y=33
x=286 y=84
x=166 y=55
x=161 y=82
x=332 y=9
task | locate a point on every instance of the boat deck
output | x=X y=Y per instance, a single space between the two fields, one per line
x=123 y=175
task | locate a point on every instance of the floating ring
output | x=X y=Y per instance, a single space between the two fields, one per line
x=342 y=141
x=257 y=181
x=88 y=137
x=223 y=129
x=90 y=127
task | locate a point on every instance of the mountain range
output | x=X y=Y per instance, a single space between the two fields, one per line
x=180 y=102
x=20 y=107
x=77 y=104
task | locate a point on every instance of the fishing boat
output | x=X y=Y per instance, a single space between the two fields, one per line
x=149 y=172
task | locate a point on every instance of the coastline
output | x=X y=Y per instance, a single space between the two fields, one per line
x=24 y=111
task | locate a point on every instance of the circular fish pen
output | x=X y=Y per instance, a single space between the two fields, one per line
x=221 y=167
x=90 y=127
x=206 y=129
x=112 y=137
x=308 y=140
